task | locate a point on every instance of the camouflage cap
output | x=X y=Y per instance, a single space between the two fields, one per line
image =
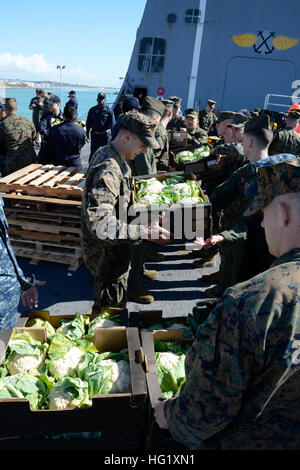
x=123 y=98
x=191 y=112
x=224 y=115
x=10 y=100
x=149 y=102
x=142 y=126
x=274 y=180
x=176 y=100
x=168 y=104
x=239 y=121
x=258 y=122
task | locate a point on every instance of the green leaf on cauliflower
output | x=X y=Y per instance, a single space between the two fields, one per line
x=69 y=393
x=24 y=354
x=24 y=386
x=73 y=328
x=40 y=323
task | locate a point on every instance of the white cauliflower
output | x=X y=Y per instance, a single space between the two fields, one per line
x=168 y=359
x=67 y=364
x=103 y=323
x=154 y=186
x=59 y=400
x=22 y=364
x=119 y=375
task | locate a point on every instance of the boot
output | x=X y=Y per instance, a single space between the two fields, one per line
x=140 y=296
x=206 y=262
x=213 y=278
x=150 y=274
x=155 y=257
x=214 y=292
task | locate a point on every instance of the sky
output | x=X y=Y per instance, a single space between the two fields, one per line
x=94 y=39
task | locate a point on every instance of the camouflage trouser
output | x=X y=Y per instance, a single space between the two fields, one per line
x=2 y=166
x=14 y=164
x=9 y=300
x=138 y=254
x=231 y=258
x=110 y=280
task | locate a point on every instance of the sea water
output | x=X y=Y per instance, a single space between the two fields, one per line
x=86 y=98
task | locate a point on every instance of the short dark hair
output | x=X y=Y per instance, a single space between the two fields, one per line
x=70 y=112
x=151 y=113
x=263 y=137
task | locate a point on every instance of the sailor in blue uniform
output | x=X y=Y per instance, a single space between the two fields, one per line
x=50 y=117
x=65 y=141
x=73 y=102
x=13 y=284
x=99 y=120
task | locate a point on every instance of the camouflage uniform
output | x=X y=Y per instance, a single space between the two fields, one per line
x=12 y=282
x=242 y=371
x=176 y=123
x=109 y=190
x=241 y=389
x=207 y=121
x=18 y=134
x=285 y=141
x=197 y=137
x=162 y=154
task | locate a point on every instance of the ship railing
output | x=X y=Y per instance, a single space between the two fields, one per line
x=268 y=103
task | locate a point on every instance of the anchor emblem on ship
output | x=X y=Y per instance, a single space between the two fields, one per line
x=264 y=43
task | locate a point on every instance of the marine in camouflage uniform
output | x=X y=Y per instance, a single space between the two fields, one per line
x=17 y=133
x=245 y=251
x=242 y=371
x=195 y=136
x=178 y=121
x=12 y=281
x=207 y=118
x=109 y=184
x=287 y=140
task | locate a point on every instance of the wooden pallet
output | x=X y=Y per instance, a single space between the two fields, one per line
x=73 y=261
x=45 y=180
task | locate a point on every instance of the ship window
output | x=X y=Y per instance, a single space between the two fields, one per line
x=171 y=18
x=192 y=16
x=151 y=55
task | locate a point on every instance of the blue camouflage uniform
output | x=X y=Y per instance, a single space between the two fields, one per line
x=99 y=121
x=64 y=144
x=12 y=282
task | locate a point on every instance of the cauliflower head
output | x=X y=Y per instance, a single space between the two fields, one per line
x=119 y=374
x=22 y=364
x=66 y=364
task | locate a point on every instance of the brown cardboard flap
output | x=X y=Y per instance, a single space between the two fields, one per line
x=4 y=340
x=110 y=339
x=168 y=335
x=38 y=334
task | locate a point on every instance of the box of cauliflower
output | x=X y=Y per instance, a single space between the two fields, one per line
x=180 y=196
x=164 y=363
x=54 y=379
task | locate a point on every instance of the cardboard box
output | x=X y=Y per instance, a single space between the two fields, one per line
x=177 y=138
x=148 y=318
x=55 y=319
x=119 y=412
x=155 y=437
x=207 y=168
x=189 y=212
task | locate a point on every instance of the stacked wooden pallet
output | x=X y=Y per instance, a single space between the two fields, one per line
x=42 y=206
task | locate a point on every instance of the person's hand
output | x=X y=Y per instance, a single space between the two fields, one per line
x=158 y=234
x=199 y=241
x=212 y=241
x=30 y=297
x=87 y=139
x=159 y=415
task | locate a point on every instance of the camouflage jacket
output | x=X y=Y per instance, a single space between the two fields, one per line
x=285 y=141
x=107 y=197
x=242 y=371
x=234 y=154
x=162 y=154
x=12 y=282
x=17 y=133
x=197 y=137
x=207 y=120
x=176 y=123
